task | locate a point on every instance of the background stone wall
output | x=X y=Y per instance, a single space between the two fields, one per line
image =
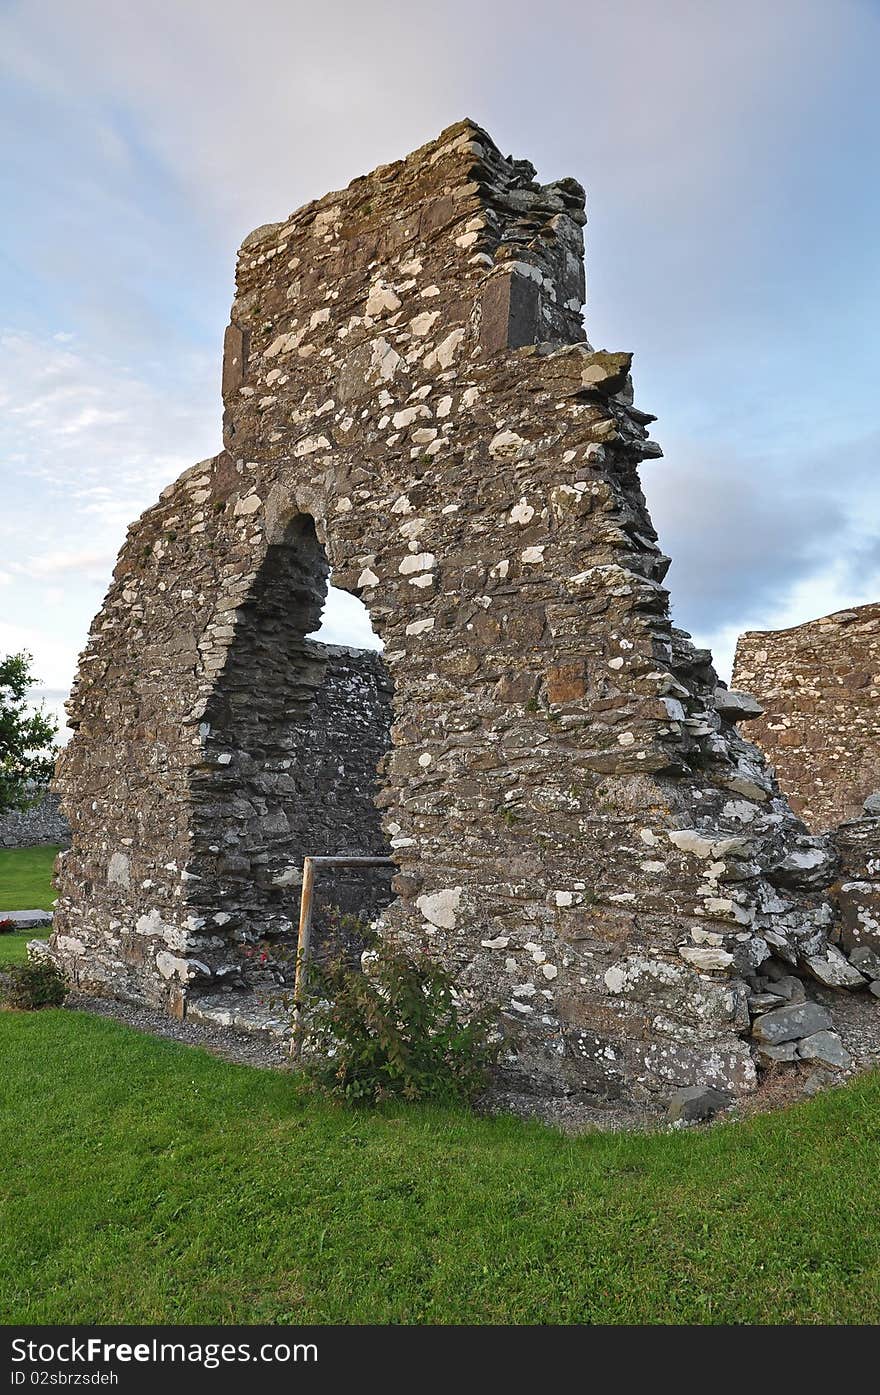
x=819 y=685
x=42 y=824
x=581 y=833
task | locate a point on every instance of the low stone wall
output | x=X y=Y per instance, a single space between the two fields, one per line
x=29 y=828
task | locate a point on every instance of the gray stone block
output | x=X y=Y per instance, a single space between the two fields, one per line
x=27 y=920
x=696 y=1103
x=827 y=1048
x=791 y=1023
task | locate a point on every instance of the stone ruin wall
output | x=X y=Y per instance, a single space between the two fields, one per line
x=857 y=894
x=581 y=833
x=819 y=685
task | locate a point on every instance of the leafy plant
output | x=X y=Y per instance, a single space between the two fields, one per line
x=7 y=926
x=27 y=756
x=396 y=1029
x=33 y=986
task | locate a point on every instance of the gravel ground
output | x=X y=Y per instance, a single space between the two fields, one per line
x=245 y=1048
x=268 y=1053
x=856 y=1019
x=572 y=1116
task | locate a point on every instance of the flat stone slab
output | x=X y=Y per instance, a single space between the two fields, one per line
x=737 y=706
x=832 y=969
x=27 y=920
x=241 y=1011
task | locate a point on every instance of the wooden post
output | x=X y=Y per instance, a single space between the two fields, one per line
x=303 y=948
x=304 y=938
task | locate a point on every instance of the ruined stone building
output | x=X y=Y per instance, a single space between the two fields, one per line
x=580 y=832
x=819 y=686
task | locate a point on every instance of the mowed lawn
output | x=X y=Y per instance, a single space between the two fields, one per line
x=145 y=1181
x=25 y=885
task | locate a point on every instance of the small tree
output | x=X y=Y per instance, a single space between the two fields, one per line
x=27 y=752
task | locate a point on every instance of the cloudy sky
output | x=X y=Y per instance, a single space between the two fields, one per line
x=729 y=154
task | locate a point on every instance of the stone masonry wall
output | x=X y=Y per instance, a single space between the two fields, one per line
x=581 y=833
x=858 y=888
x=43 y=823
x=819 y=685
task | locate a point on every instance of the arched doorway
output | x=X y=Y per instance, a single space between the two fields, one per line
x=293 y=735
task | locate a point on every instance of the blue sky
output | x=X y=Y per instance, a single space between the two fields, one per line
x=729 y=155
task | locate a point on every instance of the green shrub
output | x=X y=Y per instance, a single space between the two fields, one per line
x=33 y=985
x=396 y=1030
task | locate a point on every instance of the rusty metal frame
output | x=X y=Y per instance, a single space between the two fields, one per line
x=304 y=937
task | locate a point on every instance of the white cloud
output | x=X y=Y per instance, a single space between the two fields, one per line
x=346 y=620
x=85 y=422
x=54 y=656
x=767 y=540
x=85 y=446
x=676 y=108
x=93 y=564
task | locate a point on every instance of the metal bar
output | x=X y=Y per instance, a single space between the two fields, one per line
x=304 y=937
x=351 y=861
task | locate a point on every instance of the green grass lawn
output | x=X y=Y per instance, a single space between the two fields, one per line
x=143 y=1181
x=25 y=884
